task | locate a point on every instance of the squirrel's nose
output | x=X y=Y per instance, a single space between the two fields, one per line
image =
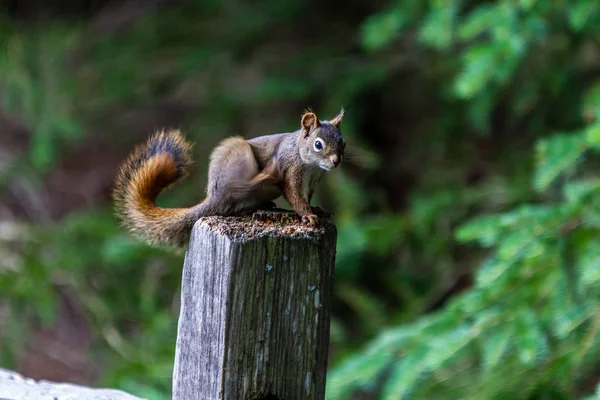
x=335 y=159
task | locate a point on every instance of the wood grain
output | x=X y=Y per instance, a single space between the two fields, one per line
x=255 y=310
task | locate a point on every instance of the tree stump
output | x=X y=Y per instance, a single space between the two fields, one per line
x=255 y=309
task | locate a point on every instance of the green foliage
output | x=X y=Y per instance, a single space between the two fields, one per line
x=36 y=83
x=555 y=156
x=488 y=109
x=105 y=258
x=529 y=324
x=526 y=312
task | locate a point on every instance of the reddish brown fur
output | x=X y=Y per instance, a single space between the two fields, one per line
x=338 y=119
x=139 y=182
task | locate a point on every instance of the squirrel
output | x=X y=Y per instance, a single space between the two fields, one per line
x=243 y=177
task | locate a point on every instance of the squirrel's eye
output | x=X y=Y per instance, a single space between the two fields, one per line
x=318 y=145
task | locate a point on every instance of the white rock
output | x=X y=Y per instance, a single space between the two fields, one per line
x=15 y=387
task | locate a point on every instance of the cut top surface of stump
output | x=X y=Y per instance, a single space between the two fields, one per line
x=266 y=223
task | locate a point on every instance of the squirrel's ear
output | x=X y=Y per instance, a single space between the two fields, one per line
x=309 y=122
x=338 y=119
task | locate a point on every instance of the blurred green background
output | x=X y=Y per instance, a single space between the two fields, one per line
x=468 y=207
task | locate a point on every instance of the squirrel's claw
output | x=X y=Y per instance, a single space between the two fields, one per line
x=310 y=220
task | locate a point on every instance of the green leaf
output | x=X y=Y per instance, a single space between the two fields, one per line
x=510 y=51
x=43 y=149
x=506 y=23
x=491 y=270
x=580 y=12
x=486 y=230
x=445 y=348
x=406 y=374
x=520 y=244
x=556 y=155
x=581 y=191
x=355 y=372
x=360 y=370
x=569 y=322
x=479 y=111
x=479 y=67
x=472 y=302
x=380 y=29
x=495 y=345
x=530 y=341
x=514 y=247
x=527 y=4
x=438 y=27
x=478 y=21
x=592 y=134
x=589 y=266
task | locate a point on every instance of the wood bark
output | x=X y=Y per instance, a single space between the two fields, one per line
x=255 y=309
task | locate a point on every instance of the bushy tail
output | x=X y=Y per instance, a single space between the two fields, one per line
x=149 y=170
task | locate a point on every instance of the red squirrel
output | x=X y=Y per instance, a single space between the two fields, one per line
x=243 y=176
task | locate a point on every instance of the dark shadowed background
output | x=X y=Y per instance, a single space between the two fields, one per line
x=467 y=207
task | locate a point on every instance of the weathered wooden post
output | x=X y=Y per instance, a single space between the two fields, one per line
x=255 y=309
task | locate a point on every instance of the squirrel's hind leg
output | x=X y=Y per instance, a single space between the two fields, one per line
x=257 y=193
x=236 y=186
x=232 y=160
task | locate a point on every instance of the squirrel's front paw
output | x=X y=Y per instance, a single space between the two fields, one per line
x=321 y=212
x=310 y=219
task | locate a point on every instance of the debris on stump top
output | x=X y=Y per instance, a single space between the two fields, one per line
x=266 y=223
